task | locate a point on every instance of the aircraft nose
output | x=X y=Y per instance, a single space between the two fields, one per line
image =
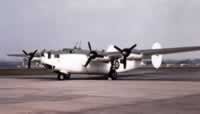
x=56 y=67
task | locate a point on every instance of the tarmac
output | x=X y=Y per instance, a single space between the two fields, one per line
x=143 y=91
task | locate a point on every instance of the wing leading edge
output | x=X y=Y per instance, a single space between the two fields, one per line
x=169 y=50
x=16 y=55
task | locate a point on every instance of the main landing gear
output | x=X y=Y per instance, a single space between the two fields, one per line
x=113 y=73
x=62 y=76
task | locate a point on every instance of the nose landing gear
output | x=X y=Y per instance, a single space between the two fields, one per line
x=62 y=76
x=113 y=73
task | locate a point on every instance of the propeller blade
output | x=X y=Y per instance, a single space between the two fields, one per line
x=29 y=63
x=125 y=62
x=35 y=52
x=24 y=52
x=88 y=61
x=133 y=47
x=89 y=45
x=117 y=48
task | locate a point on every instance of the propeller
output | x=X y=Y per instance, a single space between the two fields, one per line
x=30 y=57
x=125 y=53
x=92 y=55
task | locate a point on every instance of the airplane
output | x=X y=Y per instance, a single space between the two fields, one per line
x=110 y=62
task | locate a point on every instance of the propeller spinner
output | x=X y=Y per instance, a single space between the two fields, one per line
x=125 y=53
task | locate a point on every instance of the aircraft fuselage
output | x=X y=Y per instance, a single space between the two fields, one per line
x=74 y=63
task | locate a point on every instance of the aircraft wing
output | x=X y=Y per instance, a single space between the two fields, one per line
x=168 y=50
x=16 y=55
x=21 y=55
x=148 y=52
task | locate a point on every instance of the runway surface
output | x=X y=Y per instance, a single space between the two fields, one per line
x=143 y=91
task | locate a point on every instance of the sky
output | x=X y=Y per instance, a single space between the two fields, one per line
x=55 y=24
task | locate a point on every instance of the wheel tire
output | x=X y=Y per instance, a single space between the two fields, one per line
x=61 y=77
x=113 y=76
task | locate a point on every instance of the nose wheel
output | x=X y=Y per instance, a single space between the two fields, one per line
x=61 y=76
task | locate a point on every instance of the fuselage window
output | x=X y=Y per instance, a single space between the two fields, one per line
x=57 y=56
x=70 y=51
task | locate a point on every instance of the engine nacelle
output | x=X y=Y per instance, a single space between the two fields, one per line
x=156 y=59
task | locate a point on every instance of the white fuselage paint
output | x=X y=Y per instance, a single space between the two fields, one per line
x=74 y=63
